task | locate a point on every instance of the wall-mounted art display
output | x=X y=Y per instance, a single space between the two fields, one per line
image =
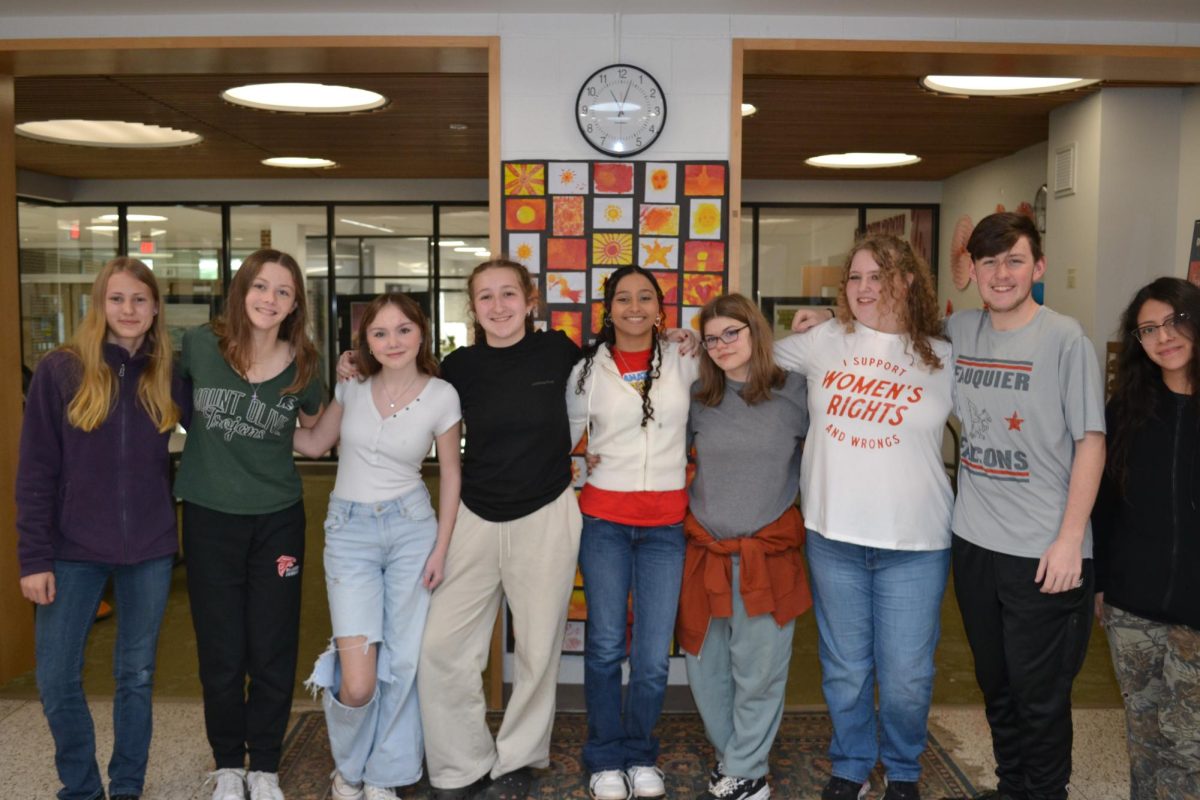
x=573 y=223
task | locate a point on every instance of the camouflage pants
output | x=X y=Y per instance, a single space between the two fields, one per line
x=1158 y=668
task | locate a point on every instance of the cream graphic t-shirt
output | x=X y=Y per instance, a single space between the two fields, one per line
x=872 y=473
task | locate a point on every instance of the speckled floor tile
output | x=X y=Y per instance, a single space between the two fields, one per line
x=1100 y=764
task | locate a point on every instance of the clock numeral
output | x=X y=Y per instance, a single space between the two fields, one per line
x=603 y=138
x=604 y=77
x=623 y=73
x=641 y=77
x=657 y=110
x=583 y=111
x=639 y=141
x=589 y=127
x=653 y=93
x=591 y=91
x=652 y=129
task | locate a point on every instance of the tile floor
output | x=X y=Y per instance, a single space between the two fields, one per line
x=179 y=757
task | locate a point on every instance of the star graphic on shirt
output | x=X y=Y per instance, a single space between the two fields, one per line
x=1014 y=422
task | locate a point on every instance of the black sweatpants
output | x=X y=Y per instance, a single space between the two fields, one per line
x=243 y=575
x=1028 y=648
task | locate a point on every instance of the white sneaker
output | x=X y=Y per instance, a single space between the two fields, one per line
x=609 y=784
x=647 y=782
x=343 y=789
x=264 y=786
x=378 y=793
x=231 y=784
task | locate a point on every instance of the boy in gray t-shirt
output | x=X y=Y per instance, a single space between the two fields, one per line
x=1029 y=396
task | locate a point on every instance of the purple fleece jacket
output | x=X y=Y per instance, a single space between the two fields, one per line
x=102 y=496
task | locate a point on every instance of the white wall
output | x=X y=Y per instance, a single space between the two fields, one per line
x=1189 y=179
x=1138 y=193
x=1072 y=223
x=976 y=192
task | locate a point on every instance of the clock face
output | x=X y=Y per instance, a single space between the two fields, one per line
x=620 y=110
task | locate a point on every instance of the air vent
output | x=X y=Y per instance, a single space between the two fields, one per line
x=1064 y=170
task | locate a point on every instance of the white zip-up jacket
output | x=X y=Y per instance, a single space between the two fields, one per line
x=633 y=458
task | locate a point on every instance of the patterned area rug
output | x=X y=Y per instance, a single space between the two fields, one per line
x=799 y=760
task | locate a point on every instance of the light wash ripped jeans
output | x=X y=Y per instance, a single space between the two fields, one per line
x=374 y=556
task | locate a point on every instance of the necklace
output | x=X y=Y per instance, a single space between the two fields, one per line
x=254 y=389
x=391 y=401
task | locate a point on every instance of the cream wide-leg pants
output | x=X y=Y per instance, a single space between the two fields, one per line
x=531 y=562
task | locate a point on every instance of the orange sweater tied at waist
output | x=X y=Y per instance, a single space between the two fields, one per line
x=772 y=579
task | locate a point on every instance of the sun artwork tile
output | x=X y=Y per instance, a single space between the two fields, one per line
x=573 y=223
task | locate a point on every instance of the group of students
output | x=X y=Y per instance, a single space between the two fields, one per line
x=715 y=563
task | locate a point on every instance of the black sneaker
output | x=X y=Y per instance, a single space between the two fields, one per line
x=715 y=774
x=731 y=788
x=990 y=794
x=842 y=789
x=902 y=790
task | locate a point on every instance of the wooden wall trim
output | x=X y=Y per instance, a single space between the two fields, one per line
x=734 y=257
x=16 y=613
x=495 y=687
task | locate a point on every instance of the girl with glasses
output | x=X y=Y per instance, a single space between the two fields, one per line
x=743 y=583
x=1147 y=553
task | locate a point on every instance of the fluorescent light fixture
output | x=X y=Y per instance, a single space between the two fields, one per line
x=299 y=162
x=862 y=160
x=749 y=109
x=471 y=250
x=106 y=133
x=306 y=98
x=366 y=225
x=101 y=228
x=451 y=243
x=132 y=218
x=995 y=85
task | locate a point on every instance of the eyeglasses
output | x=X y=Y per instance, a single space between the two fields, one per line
x=728 y=336
x=1169 y=325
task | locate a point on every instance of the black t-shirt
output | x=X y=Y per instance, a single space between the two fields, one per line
x=514 y=407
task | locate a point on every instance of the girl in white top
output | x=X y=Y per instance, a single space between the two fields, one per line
x=877 y=502
x=384 y=549
x=631 y=393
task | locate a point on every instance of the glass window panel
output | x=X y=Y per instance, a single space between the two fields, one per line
x=383 y=220
x=468 y=224
x=61 y=250
x=801 y=250
x=182 y=244
x=914 y=225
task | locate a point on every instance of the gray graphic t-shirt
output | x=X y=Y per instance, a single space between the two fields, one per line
x=238 y=454
x=1024 y=397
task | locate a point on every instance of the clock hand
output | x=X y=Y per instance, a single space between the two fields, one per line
x=626 y=97
x=620 y=104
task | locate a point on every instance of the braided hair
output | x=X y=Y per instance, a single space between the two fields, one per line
x=608 y=338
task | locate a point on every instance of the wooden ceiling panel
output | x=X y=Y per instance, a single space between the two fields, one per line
x=408 y=138
x=801 y=117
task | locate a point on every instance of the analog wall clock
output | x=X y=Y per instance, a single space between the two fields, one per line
x=620 y=110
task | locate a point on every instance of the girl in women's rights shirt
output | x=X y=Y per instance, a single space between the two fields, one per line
x=877 y=503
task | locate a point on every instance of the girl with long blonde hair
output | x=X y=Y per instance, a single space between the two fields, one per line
x=93 y=503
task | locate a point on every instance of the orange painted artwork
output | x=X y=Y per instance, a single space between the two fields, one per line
x=704 y=180
x=597 y=317
x=566 y=254
x=704 y=257
x=612 y=248
x=565 y=287
x=577 y=610
x=524 y=179
x=658 y=253
x=612 y=178
x=568 y=215
x=525 y=214
x=706 y=219
x=699 y=288
x=570 y=323
x=669 y=283
x=658 y=220
x=670 y=315
x=660 y=182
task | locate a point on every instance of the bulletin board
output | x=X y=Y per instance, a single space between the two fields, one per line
x=573 y=223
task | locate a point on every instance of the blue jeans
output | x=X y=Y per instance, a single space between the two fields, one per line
x=879 y=617
x=374 y=556
x=61 y=631
x=616 y=559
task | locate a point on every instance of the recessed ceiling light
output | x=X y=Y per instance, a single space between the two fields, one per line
x=749 y=109
x=451 y=243
x=106 y=133
x=299 y=162
x=307 y=98
x=991 y=85
x=458 y=126
x=132 y=218
x=862 y=160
